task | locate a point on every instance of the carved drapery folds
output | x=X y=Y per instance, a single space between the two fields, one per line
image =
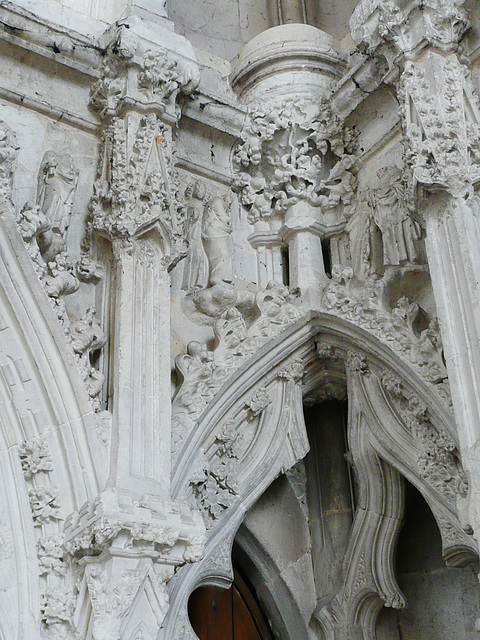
x=57 y=182
x=208 y=275
x=383 y=229
x=48 y=251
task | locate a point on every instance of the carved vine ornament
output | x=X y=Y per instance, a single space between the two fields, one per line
x=289 y=152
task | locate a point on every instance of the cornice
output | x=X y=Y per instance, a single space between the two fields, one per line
x=61 y=44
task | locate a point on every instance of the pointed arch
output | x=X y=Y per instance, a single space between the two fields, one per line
x=382 y=466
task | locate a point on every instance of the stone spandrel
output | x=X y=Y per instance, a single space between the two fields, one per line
x=128 y=506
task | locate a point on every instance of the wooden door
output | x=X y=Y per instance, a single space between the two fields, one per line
x=230 y=614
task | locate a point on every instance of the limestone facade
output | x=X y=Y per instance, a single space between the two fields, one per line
x=240 y=314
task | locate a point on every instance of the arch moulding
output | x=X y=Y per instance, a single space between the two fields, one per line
x=250 y=428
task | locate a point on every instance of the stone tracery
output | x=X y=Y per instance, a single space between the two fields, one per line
x=322 y=278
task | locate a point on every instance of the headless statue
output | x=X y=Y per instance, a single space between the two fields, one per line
x=217 y=242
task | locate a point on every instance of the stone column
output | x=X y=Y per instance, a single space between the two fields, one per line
x=294 y=160
x=307 y=270
x=441 y=119
x=292 y=11
x=270 y=259
x=132 y=537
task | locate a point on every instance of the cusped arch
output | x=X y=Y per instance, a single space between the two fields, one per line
x=274 y=373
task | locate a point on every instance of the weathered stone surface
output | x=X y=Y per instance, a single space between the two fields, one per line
x=211 y=215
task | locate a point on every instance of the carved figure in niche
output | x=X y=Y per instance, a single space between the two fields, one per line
x=217 y=242
x=382 y=231
x=365 y=241
x=400 y=232
x=57 y=181
x=195 y=272
x=209 y=232
x=208 y=271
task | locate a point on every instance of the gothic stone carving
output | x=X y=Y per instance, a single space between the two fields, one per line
x=203 y=372
x=383 y=231
x=438 y=456
x=215 y=485
x=57 y=183
x=208 y=268
x=290 y=152
x=45 y=503
x=87 y=338
x=133 y=73
x=8 y=156
x=363 y=306
x=136 y=186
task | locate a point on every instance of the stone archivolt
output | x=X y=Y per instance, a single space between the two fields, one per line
x=121 y=534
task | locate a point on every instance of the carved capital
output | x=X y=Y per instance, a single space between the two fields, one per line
x=394 y=31
x=137 y=75
x=115 y=522
x=284 y=145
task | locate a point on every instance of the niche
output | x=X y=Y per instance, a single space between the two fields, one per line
x=442 y=602
x=330 y=494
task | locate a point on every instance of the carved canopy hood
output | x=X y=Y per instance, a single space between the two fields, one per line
x=282 y=252
x=251 y=429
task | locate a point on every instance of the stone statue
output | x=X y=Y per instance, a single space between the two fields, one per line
x=209 y=229
x=57 y=181
x=208 y=271
x=217 y=242
x=381 y=230
x=361 y=232
x=195 y=272
x=400 y=232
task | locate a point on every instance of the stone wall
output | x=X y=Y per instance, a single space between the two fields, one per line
x=210 y=219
